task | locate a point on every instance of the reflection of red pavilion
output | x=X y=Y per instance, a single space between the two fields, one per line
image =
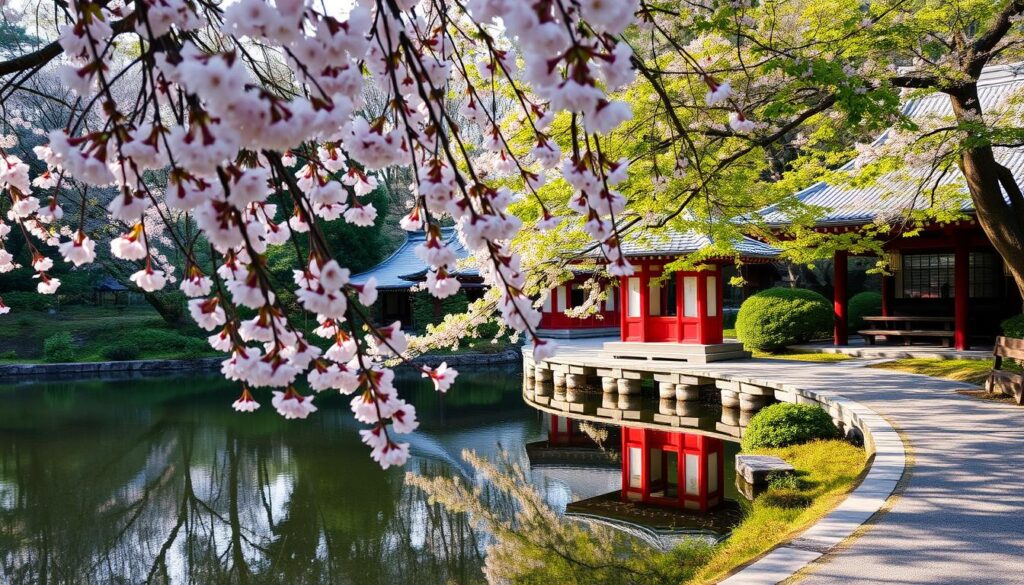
x=672 y=469
x=566 y=431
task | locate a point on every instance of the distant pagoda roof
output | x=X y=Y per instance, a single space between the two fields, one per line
x=109 y=284
x=402 y=269
x=891 y=197
x=682 y=243
x=674 y=243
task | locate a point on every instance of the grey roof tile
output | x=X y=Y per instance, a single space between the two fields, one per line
x=402 y=263
x=675 y=243
x=891 y=198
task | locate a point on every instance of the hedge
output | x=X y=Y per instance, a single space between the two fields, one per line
x=17 y=299
x=423 y=308
x=777 y=317
x=862 y=305
x=1014 y=327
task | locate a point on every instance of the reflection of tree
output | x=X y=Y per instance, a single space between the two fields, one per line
x=532 y=544
x=176 y=491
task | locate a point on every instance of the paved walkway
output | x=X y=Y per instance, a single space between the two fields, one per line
x=960 y=518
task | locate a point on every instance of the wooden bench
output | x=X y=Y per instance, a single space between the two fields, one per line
x=1003 y=381
x=908 y=328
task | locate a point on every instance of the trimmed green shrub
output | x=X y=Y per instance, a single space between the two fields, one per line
x=1014 y=327
x=59 y=347
x=785 y=424
x=423 y=308
x=17 y=299
x=862 y=305
x=10 y=354
x=777 y=317
x=121 y=352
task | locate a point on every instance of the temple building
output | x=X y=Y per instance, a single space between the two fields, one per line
x=948 y=283
x=686 y=307
x=400 y=272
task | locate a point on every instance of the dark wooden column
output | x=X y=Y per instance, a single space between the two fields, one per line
x=961 y=293
x=886 y=285
x=839 y=263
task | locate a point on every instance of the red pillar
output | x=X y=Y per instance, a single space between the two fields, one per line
x=961 y=293
x=839 y=263
x=623 y=307
x=645 y=303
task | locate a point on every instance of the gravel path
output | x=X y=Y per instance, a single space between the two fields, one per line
x=960 y=516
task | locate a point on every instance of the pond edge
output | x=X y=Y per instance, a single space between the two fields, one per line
x=887 y=460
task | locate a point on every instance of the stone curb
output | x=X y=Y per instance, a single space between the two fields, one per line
x=19 y=370
x=508 y=356
x=213 y=364
x=887 y=467
x=886 y=470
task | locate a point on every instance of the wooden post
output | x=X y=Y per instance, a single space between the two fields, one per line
x=623 y=305
x=624 y=457
x=839 y=264
x=680 y=306
x=645 y=301
x=886 y=280
x=961 y=293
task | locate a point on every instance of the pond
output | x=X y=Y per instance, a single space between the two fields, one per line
x=158 y=480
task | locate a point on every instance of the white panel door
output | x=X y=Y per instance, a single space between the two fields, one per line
x=689 y=296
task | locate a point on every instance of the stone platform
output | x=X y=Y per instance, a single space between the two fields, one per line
x=693 y=353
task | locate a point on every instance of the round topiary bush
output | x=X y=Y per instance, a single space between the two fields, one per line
x=862 y=305
x=784 y=424
x=777 y=317
x=1014 y=327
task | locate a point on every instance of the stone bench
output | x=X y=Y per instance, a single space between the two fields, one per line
x=758 y=469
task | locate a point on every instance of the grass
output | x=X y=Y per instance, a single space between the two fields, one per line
x=791 y=355
x=826 y=470
x=93 y=329
x=802 y=356
x=970 y=371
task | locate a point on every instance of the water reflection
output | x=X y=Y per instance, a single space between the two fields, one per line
x=157 y=481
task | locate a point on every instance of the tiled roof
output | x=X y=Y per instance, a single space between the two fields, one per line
x=398 y=271
x=673 y=243
x=891 y=198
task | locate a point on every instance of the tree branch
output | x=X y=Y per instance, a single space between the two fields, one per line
x=52 y=50
x=988 y=41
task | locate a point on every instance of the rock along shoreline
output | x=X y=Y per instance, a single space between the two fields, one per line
x=212 y=364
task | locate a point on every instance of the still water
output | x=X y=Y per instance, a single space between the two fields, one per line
x=157 y=480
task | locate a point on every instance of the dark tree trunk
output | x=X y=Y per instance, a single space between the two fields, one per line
x=167 y=305
x=1002 y=220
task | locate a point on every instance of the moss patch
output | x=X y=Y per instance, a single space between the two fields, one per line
x=970 y=371
x=802 y=356
x=826 y=472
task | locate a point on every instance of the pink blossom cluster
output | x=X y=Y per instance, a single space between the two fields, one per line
x=253 y=161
